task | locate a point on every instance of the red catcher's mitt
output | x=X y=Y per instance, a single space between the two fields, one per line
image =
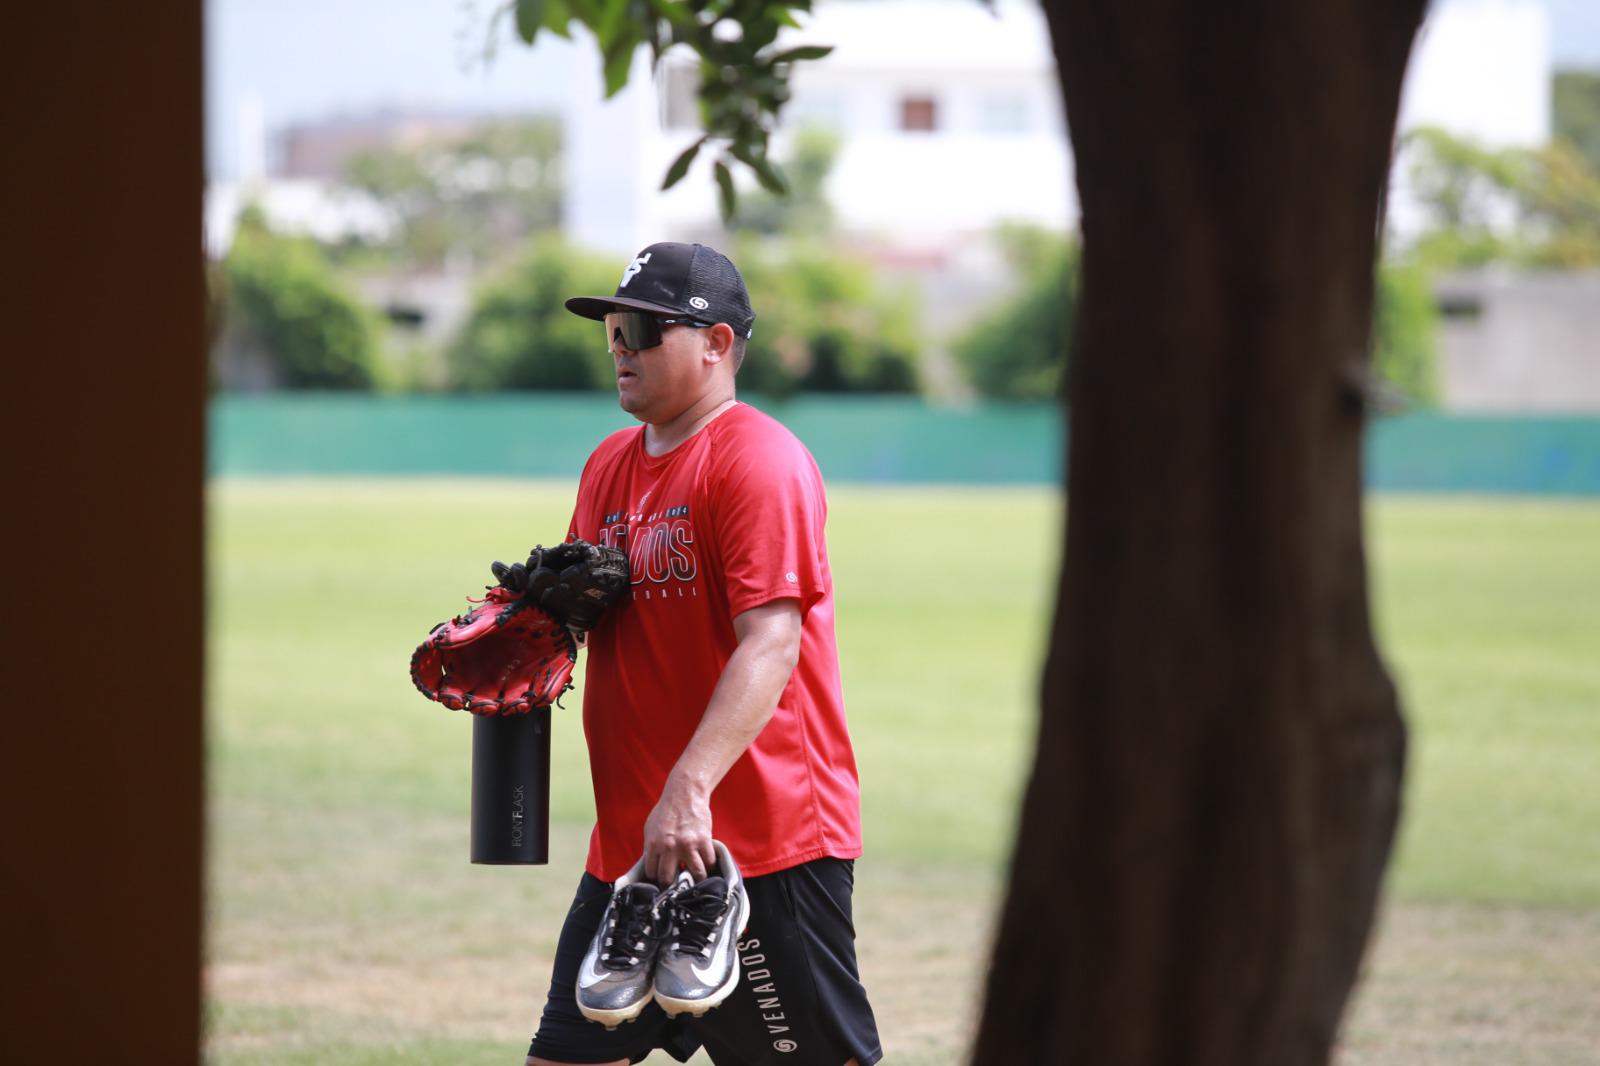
x=504 y=656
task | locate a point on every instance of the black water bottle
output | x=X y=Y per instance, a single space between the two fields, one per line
x=511 y=788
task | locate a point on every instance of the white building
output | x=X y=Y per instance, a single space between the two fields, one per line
x=1520 y=343
x=950 y=118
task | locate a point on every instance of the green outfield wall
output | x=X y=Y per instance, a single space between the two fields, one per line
x=855 y=439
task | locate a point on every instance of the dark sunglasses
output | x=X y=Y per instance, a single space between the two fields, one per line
x=640 y=329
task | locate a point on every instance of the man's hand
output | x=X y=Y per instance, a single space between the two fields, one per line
x=677 y=835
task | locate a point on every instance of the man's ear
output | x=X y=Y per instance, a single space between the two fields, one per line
x=719 y=343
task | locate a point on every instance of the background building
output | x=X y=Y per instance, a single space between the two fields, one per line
x=1519 y=342
x=950 y=121
x=948 y=124
x=948 y=116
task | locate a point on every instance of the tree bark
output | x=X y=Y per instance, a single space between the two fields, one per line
x=1220 y=750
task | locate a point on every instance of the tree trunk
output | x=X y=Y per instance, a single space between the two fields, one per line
x=1219 y=761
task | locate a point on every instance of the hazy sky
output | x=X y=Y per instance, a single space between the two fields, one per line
x=300 y=59
x=1575 y=32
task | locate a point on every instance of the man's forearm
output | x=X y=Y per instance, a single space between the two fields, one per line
x=740 y=707
x=677 y=835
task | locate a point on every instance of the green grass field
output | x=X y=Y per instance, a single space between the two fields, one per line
x=348 y=927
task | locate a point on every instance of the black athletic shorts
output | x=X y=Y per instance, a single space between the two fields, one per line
x=799 y=1000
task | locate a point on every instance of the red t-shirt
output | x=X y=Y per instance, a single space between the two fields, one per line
x=729 y=520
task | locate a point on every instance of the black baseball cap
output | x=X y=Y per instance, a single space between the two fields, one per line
x=668 y=278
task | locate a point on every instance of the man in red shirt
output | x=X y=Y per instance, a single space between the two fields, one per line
x=712 y=701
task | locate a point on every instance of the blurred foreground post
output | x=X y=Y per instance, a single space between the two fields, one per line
x=1219 y=763
x=103 y=336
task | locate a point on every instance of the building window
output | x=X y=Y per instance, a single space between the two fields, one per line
x=1004 y=114
x=816 y=110
x=919 y=113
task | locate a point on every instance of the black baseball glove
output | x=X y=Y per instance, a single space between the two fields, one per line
x=516 y=648
x=575 y=581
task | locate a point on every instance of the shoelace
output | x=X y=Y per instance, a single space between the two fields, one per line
x=695 y=914
x=633 y=925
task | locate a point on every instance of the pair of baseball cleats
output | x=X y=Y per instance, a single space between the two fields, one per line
x=678 y=946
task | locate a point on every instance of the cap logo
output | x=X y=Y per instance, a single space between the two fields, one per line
x=634 y=268
x=698 y=303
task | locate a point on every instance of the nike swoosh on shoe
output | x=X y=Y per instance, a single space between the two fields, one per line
x=707 y=977
x=590 y=976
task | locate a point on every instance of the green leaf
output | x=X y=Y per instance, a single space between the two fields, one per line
x=586 y=11
x=618 y=63
x=530 y=17
x=761 y=31
x=680 y=166
x=675 y=12
x=612 y=24
x=557 y=14
x=712 y=85
x=795 y=55
x=768 y=175
x=728 y=199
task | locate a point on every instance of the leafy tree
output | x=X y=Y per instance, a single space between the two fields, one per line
x=824 y=324
x=804 y=209
x=471 y=196
x=286 y=309
x=1536 y=208
x=1405 y=324
x=521 y=336
x=1575 y=110
x=744 y=76
x=1014 y=352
